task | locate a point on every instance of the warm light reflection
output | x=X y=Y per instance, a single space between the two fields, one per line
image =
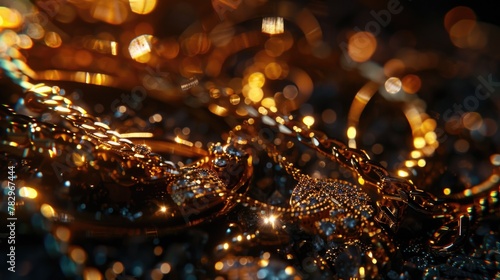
x=78 y=159
x=416 y=154
x=165 y=268
x=460 y=32
x=255 y=94
x=464 y=29
x=419 y=142
x=219 y=265
x=101 y=45
x=35 y=31
x=78 y=255
x=142 y=7
x=358 y=104
x=221 y=7
x=361 y=46
x=394 y=67
x=457 y=14
x=274 y=46
x=9 y=18
x=273 y=25
x=218 y=110
x=273 y=71
x=472 y=120
x=351 y=132
x=52 y=39
x=63 y=233
x=271 y=220
x=110 y=11
x=411 y=83
x=28 y=192
x=91 y=273
x=308 y=121
x=79 y=76
x=140 y=48
x=238 y=43
x=25 y=41
x=8 y=38
x=361 y=181
x=362 y=272
x=309 y=25
x=268 y=102
x=495 y=159
x=179 y=140
x=198 y=43
x=256 y=79
x=118 y=267
x=168 y=48
x=290 y=92
x=410 y=163
x=289 y=270
x=263 y=262
x=430 y=137
x=403 y=173
x=429 y=124
x=393 y=85
x=47 y=211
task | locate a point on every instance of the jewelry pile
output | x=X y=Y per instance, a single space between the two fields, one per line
x=201 y=175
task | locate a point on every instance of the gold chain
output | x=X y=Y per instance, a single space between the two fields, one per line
x=91 y=139
x=392 y=195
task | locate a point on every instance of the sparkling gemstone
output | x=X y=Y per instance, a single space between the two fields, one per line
x=350 y=223
x=327 y=227
x=220 y=162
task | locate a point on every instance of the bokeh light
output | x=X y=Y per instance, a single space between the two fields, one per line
x=361 y=46
x=411 y=83
x=393 y=85
x=142 y=7
x=140 y=48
